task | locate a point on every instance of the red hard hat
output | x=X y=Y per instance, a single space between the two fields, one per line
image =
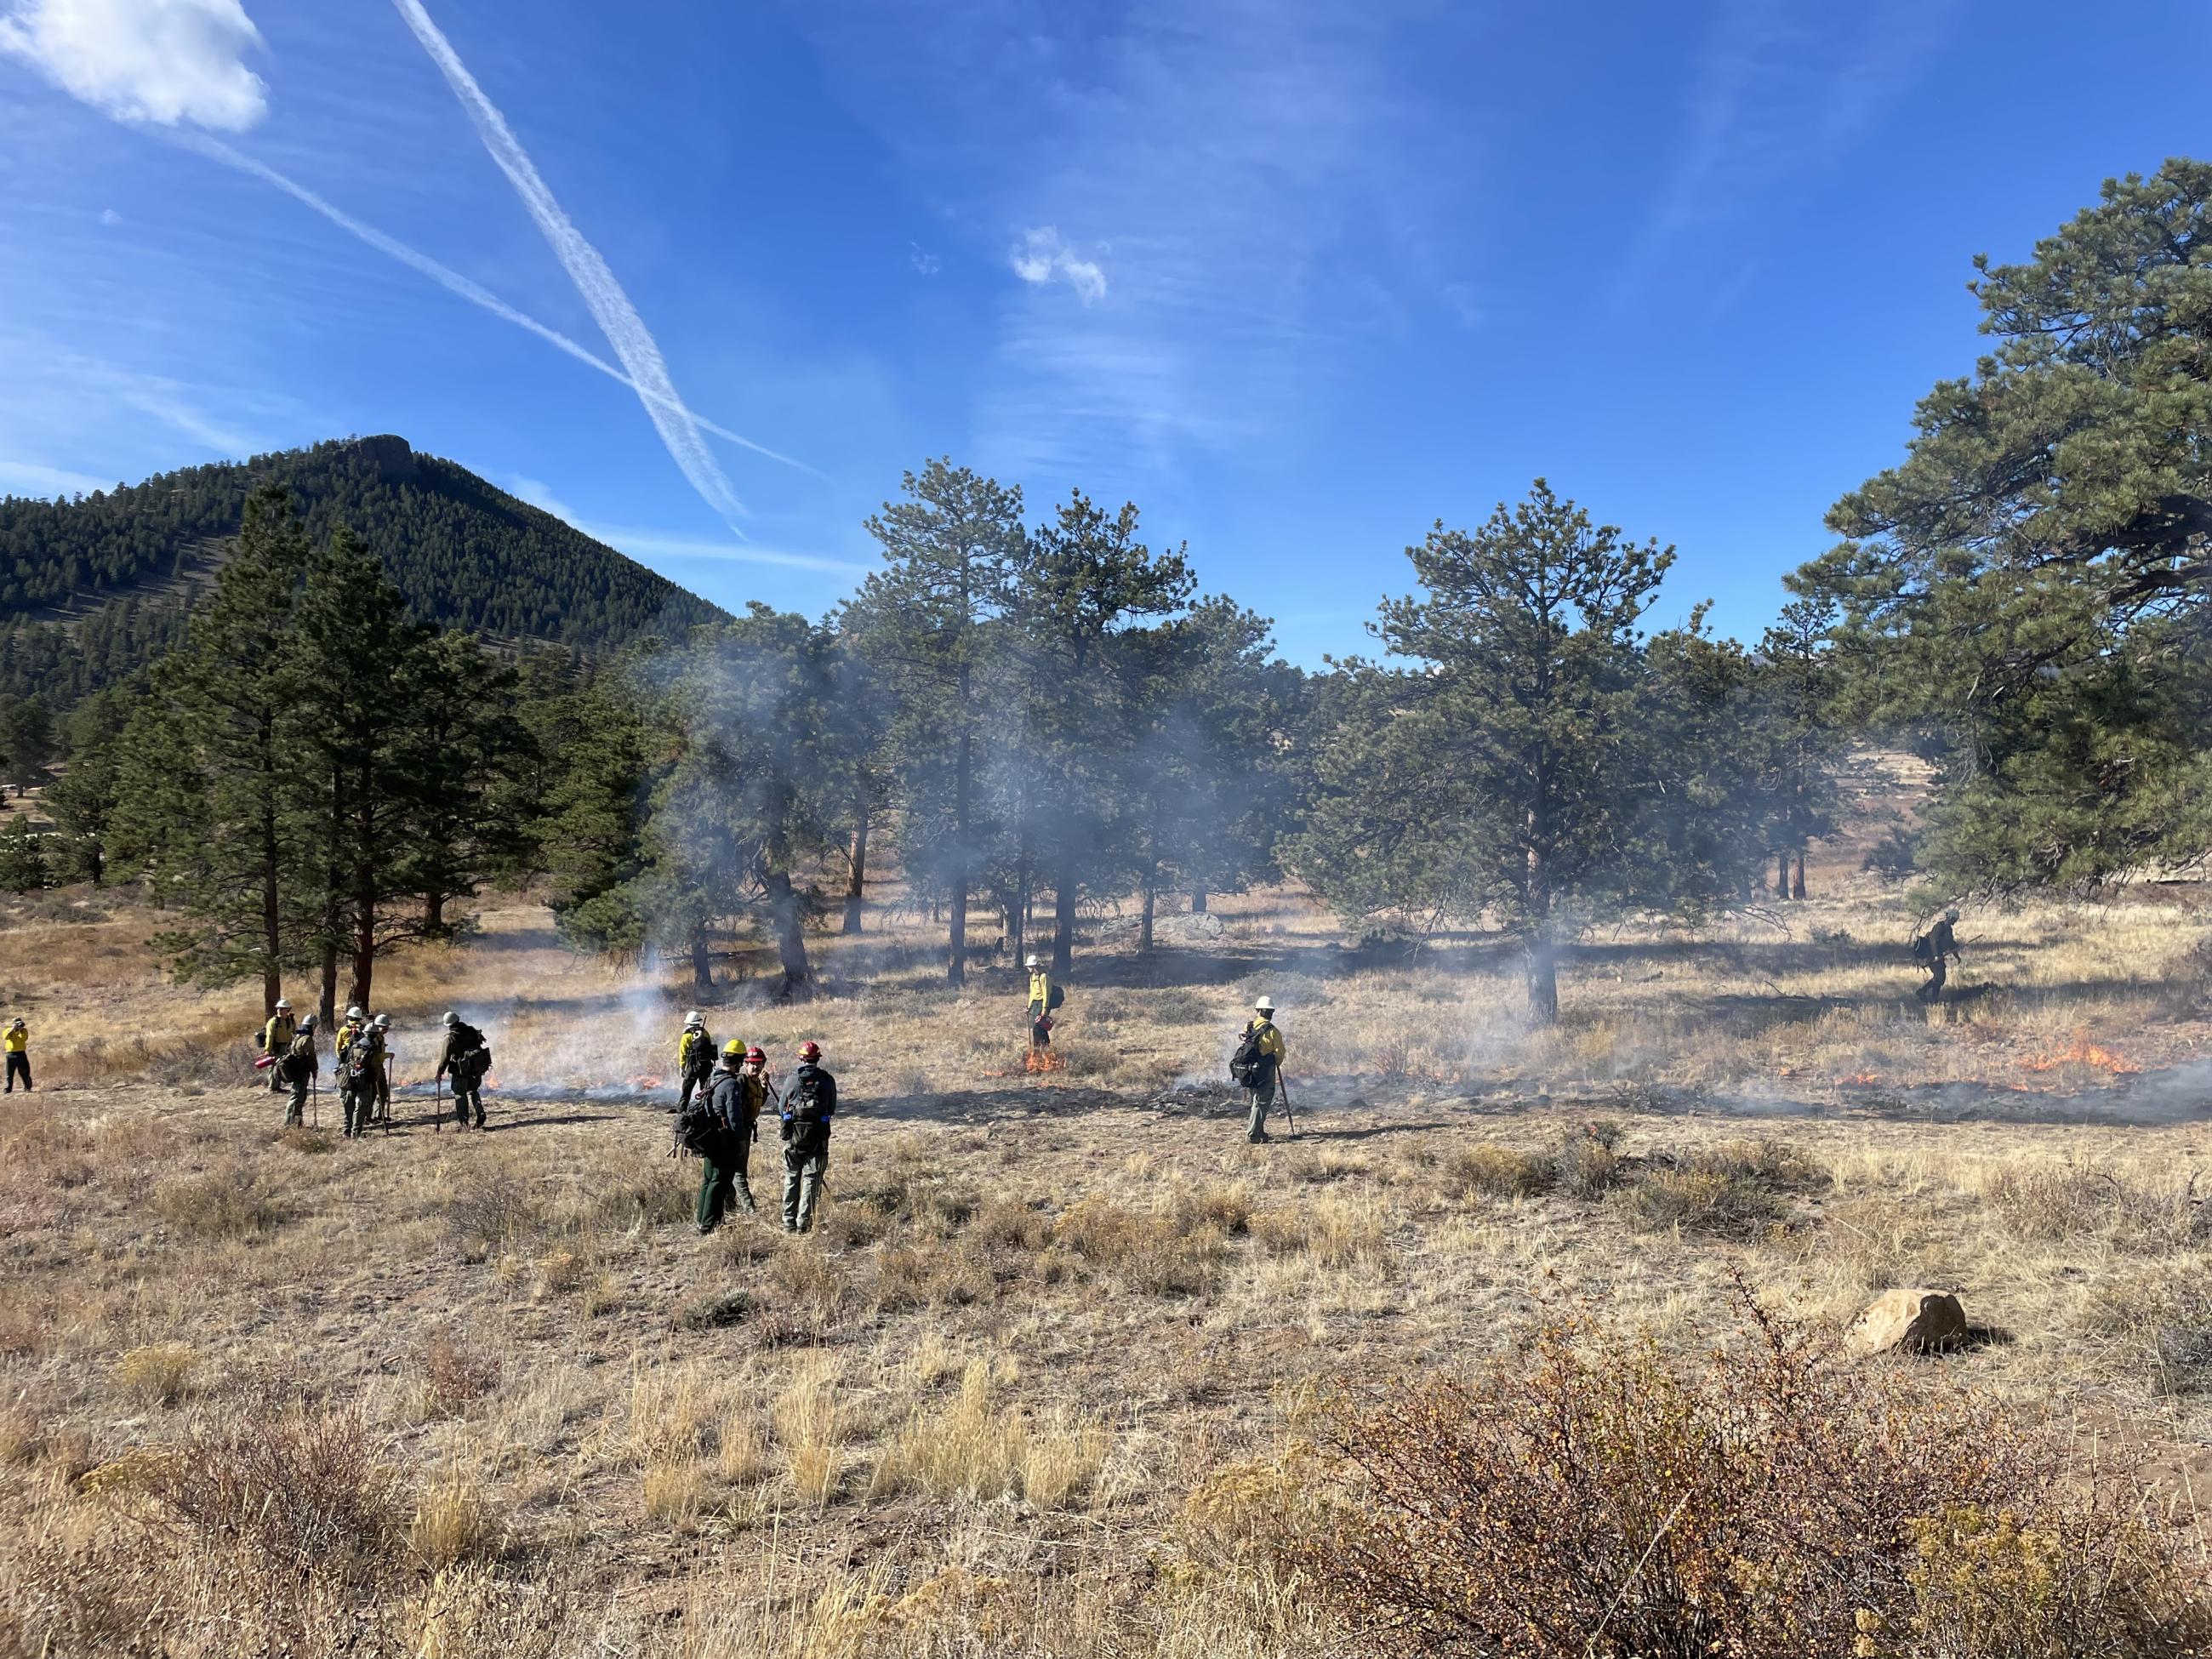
x=755 y=1053
x=809 y=1051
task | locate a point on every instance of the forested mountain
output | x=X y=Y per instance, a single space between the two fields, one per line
x=91 y=589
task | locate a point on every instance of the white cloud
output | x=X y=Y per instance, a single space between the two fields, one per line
x=169 y=61
x=29 y=478
x=110 y=217
x=927 y=263
x=1043 y=255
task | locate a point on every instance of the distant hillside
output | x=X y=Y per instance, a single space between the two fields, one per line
x=93 y=588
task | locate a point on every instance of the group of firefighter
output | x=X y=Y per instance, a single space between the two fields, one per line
x=722 y=1094
x=361 y=1057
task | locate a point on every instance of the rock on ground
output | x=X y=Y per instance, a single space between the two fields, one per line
x=1909 y=1321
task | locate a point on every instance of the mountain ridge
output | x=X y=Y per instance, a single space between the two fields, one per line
x=92 y=586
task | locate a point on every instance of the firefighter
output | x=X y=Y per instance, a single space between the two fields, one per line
x=1261 y=1052
x=383 y=1024
x=728 y=1148
x=1935 y=950
x=695 y=1057
x=808 y=1106
x=360 y=1067
x=1045 y=997
x=17 y=1043
x=298 y=1068
x=275 y=1038
x=466 y=1057
x=342 y=1045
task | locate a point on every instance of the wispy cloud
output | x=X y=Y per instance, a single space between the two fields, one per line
x=29 y=478
x=1043 y=255
x=634 y=344
x=168 y=61
x=474 y=293
x=640 y=543
x=1215 y=182
x=1780 y=90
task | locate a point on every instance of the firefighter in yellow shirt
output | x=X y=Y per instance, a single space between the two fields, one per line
x=1045 y=997
x=17 y=1043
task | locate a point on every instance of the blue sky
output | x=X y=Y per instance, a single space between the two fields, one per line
x=1296 y=277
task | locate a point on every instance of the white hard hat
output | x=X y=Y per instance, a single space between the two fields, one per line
x=1036 y=962
x=384 y=1022
x=354 y=1012
x=1264 y=1006
x=452 y=1018
x=283 y=1005
x=695 y=1017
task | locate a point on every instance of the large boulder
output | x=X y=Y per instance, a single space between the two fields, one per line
x=1908 y=1322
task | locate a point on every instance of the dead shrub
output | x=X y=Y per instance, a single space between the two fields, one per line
x=1693 y=1200
x=712 y=1311
x=645 y=1191
x=233 y=1200
x=1007 y=1224
x=301 y=1488
x=489 y=1213
x=202 y=1061
x=1588 y=1167
x=1489 y=1171
x=1591 y=1496
x=1143 y=1253
x=2062 y=1200
x=157 y=1375
x=452 y=1377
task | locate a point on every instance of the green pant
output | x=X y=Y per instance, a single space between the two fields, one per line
x=360 y=1098
x=806 y=1161
x=722 y=1178
x=1259 y=1096
x=297 y=1111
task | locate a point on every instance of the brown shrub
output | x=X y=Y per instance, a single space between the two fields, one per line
x=2048 y=1201
x=1496 y=1172
x=301 y=1488
x=233 y=1200
x=1143 y=1253
x=1697 y=1200
x=452 y=1377
x=1588 y=1166
x=1592 y=1498
x=488 y=1211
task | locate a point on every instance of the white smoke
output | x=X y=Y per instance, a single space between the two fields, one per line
x=618 y=318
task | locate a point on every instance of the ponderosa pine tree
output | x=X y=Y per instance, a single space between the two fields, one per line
x=951 y=550
x=210 y=799
x=1799 y=689
x=1085 y=588
x=1503 y=774
x=84 y=798
x=472 y=763
x=2030 y=582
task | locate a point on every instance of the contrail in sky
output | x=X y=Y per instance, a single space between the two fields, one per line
x=474 y=293
x=618 y=318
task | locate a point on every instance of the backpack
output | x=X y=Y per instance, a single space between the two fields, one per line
x=804 y=1103
x=361 y=1056
x=1054 y=997
x=476 y=1054
x=1246 y=1063
x=697 y=1127
x=1922 y=949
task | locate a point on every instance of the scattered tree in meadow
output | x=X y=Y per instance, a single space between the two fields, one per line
x=1521 y=769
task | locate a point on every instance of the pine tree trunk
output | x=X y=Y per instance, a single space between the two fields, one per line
x=327 y=1008
x=1144 y=920
x=856 y=888
x=272 y=916
x=1198 y=901
x=434 y=915
x=702 y=960
x=1022 y=907
x=1543 y=952
x=956 y=939
x=1782 y=875
x=790 y=934
x=364 y=951
x=1798 y=880
x=1063 y=921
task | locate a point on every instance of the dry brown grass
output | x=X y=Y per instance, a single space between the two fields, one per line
x=1049 y=1348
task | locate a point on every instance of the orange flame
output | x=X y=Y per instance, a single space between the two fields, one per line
x=2083 y=1052
x=1858 y=1080
x=644 y=1081
x=1041 y=1060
